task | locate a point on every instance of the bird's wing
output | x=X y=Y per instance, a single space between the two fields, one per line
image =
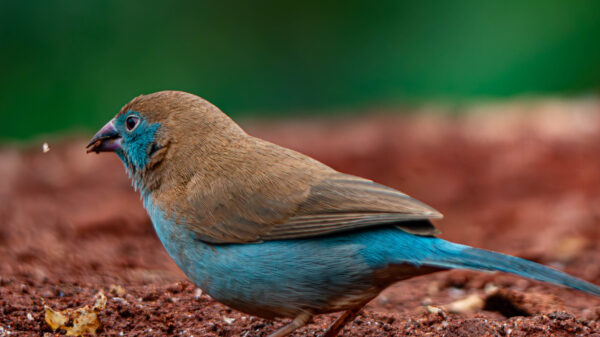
x=338 y=202
x=343 y=202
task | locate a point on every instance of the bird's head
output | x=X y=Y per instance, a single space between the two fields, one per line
x=150 y=128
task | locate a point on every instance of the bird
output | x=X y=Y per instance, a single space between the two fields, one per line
x=274 y=233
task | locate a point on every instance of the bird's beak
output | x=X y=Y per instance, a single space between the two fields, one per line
x=106 y=140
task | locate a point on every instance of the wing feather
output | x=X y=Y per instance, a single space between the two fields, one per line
x=345 y=202
x=290 y=196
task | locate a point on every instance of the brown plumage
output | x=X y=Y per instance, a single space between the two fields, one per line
x=243 y=189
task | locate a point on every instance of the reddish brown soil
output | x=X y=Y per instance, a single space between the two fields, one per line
x=71 y=225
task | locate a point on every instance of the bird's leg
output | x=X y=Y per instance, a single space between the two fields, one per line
x=298 y=322
x=339 y=323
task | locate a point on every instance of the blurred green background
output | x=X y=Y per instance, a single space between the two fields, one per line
x=71 y=64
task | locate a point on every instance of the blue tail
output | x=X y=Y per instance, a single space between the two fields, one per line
x=452 y=255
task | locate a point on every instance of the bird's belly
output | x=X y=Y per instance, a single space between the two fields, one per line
x=279 y=278
x=275 y=278
x=284 y=278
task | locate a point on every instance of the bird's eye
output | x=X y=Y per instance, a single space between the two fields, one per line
x=131 y=122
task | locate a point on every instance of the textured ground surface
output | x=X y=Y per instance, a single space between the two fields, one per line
x=71 y=226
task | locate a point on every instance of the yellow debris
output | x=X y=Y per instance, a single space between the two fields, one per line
x=116 y=289
x=470 y=303
x=84 y=320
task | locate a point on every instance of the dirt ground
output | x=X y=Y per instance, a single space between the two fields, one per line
x=520 y=178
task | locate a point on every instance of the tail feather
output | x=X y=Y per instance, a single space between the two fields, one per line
x=464 y=257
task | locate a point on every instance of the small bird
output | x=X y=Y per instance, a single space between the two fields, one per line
x=272 y=232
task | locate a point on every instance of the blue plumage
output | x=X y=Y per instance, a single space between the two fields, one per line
x=286 y=277
x=135 y=144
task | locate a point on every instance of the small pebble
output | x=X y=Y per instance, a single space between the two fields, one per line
x=117 y=290
x=433 y=310
x=490 y=288
x=120 y=300
x=456 y=293
x=470 y=303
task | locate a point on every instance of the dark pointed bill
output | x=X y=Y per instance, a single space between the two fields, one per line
x=107 y=139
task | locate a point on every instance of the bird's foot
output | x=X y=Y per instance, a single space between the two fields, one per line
x=339 y=323
x=298 y=322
